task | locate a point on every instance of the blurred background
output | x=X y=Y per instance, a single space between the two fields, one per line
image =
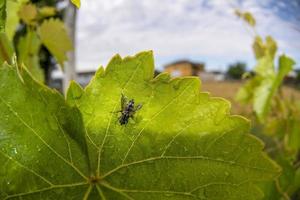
x=202 y=38
x=189 y=37
x=211 y=39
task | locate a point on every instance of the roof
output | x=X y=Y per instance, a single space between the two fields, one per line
x=194 y=65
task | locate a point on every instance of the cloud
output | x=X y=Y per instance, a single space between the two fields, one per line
x=201 y=30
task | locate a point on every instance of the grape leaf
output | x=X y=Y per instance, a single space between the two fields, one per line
x=262 y=49
x=54 y=36
x=264 y=85
x=182 y=144
x=39 y=158
x=268 y=87
x=28 y=54
x=246 y=16
x=6 y=49
x=2 y=15
x=46 y=11
x=12 y=18
x=28 y=13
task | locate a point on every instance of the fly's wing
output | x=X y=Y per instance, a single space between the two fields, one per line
x=123 y=101
x=138 y=107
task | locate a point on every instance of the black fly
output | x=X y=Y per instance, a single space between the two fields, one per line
x=127 y=110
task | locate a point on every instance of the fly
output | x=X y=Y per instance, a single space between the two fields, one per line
x=128 y=109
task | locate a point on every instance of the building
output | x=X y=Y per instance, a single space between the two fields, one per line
x=83 y=78
x=185 y=68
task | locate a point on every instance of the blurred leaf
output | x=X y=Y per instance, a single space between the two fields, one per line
x=288 y=182
x=267 y=49
x=47 y=11
x=246 y=16
x=268 y=87
x=54 y=36
x=249 y=18
x=2 y=15
x=265 y=67
x=6 y=49
x=76 y=3
x=12 y=20
x=28 y=13
x=245 y=93
x=28 y=54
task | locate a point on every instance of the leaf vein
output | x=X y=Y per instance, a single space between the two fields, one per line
x=45 y=189
x=232 y=163
x=111 y=116
x=153 y=117
x=26 y=168
x=42 y=140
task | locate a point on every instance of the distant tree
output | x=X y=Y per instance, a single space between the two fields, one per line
x=297 y=76
x=236 y=70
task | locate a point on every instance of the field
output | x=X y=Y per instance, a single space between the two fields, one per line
x=228 y=90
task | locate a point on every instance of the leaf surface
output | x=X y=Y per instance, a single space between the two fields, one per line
x=12 y=18
x=28 y=13
x=54 y=36
x=39 y=158
x=28 y=54
x=6 y=49
x=182 y=144
x=2 y=15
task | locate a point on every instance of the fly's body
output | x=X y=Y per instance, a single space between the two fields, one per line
x=128 y=109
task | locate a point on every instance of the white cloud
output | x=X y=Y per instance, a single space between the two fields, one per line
x=205 y=30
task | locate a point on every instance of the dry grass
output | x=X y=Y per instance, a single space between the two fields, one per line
x=228 y=90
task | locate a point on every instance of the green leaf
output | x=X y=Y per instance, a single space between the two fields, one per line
x=40 y=159
x=28 y=14
x=74 y=93
x=246 y=16
x=173 y=147
x=249 y=18
x=76 y=3
x=46 y=11
x=54 y=36
x=2 y=15
x=267 y=49
x=268 y=87
x=12 y=20
x=182 y=144
x=6 y=49
x=245 y=93
x=28 y=54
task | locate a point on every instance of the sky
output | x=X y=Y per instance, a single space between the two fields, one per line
x=198 y=30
